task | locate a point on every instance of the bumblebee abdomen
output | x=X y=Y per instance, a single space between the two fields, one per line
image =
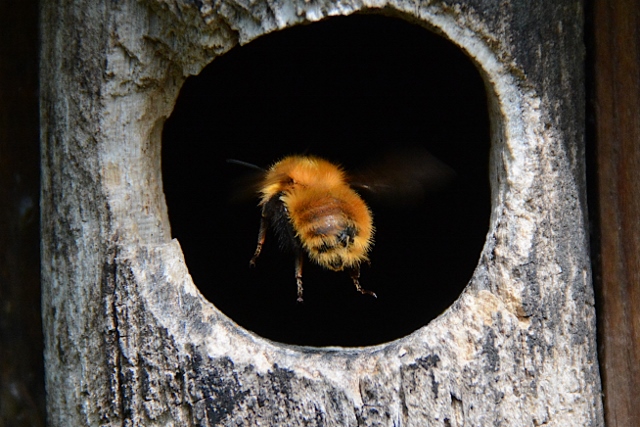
x=334 y=229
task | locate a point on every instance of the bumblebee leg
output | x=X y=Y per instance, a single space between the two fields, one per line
x=262 y=234
x=299 y=260
x=355 y=276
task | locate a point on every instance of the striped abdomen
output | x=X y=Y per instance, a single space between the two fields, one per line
x=334 y=226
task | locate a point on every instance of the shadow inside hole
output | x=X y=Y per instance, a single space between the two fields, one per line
x=344 y=89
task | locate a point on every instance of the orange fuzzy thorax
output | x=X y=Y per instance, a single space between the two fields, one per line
x=302 y=171
x=332 y=222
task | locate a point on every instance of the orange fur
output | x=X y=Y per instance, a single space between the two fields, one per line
x=332 y=222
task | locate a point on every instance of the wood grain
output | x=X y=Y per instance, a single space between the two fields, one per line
x=129 y=340
x=617 y=112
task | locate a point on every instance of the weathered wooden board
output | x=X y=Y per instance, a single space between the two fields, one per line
x=130 y=340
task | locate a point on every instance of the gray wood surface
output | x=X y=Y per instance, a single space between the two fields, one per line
x=129 y=340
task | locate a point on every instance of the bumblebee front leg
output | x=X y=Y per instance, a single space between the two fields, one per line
x=299 y=261
x=355 y=276
x=262 y=234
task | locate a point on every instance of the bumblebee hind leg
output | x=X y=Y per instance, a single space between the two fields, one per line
x=299 y=261
x=355 y=276
x=262 y=234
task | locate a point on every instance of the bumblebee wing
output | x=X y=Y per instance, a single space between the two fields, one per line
x=403 y=176
x=247 y=185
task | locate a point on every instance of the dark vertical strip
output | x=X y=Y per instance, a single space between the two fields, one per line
x=616 y=91
x=21 y=362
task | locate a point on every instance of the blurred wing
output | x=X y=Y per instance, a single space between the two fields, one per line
x=403 y=176
x=246 y=185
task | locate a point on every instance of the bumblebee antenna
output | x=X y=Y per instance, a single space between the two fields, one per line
x=249 y=165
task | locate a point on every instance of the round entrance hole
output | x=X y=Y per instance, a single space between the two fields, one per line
x=348 y=89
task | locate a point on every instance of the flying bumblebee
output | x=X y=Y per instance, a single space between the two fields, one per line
x=312 y=207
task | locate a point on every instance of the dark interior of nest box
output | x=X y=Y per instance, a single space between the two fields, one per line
x=348 y=89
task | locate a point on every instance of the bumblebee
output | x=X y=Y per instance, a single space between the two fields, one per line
x=313 y=209
x=310 y=206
